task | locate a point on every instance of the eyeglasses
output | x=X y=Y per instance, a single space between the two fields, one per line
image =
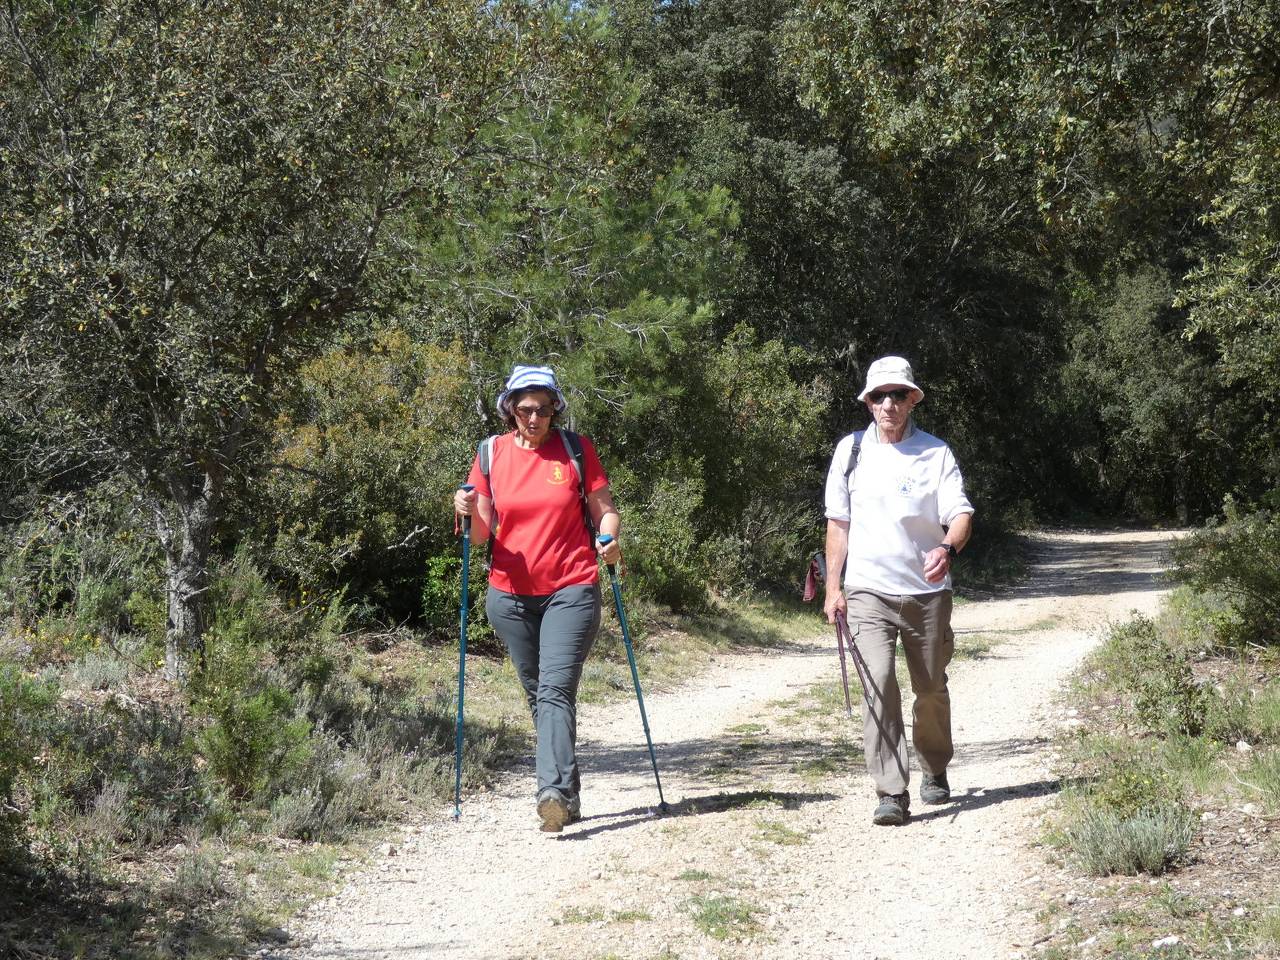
x=546 y=411
x=877 y=397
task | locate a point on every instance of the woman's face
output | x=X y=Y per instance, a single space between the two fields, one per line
x=533 y=411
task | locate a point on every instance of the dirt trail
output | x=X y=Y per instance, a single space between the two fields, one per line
x=771 y=811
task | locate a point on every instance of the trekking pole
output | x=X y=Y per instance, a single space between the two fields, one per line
x=841 y=629
x=864 y=677
x=635 y=674
x=462 y=661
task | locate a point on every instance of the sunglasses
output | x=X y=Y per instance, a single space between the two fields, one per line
x=878 y=396
x=546 y=411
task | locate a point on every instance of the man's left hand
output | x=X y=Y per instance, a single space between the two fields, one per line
x=936 y=564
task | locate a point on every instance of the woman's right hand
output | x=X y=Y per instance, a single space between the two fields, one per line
x=464 y=502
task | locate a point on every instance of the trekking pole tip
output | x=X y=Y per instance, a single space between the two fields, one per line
x=457 y=814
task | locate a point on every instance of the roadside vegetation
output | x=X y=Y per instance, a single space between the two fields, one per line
x=146 y=822
x=1173 y=806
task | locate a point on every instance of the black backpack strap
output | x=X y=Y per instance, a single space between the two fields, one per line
x=573 y=444
x=854 y=453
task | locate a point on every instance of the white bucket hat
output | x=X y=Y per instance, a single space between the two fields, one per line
x=890 y=370
x=529 y=378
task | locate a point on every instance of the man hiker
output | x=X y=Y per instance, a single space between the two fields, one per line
x=897 y=512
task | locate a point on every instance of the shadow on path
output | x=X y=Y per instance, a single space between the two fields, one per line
x=697 y=806
x=976 y=798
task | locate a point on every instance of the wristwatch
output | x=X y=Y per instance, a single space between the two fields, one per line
x=951 y=549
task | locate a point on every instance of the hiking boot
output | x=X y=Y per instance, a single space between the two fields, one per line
x=893 y=810
x=553 y=809
x=575 y=809
x=934 y=788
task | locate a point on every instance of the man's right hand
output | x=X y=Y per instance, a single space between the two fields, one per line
x=834 y=604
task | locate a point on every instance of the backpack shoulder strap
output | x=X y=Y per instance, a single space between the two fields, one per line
x=573 y=444
x=484 y=453
x=854 y=452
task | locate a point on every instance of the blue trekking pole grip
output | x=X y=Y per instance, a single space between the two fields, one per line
x=604 y=539
x=462 y=660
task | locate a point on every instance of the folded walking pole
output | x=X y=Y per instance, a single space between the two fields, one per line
x=841 y=630
x=635 y=674
x=845 y=638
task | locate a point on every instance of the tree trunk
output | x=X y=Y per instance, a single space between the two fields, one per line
x=185 y=529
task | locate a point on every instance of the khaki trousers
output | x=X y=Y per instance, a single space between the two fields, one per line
x=876 y=620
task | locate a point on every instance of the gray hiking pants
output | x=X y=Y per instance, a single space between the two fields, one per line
x=876 y=620
x=548 y=639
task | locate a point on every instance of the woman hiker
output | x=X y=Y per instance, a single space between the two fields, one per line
x=544 y=597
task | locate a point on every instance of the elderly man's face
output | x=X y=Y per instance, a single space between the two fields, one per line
x=890 y=406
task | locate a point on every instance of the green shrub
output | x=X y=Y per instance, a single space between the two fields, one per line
x=372 y=441
x=252 y=735
x=442 y=595
x=25 y=705
x=663 y=554
x=81 y=565
x=1150 y=840
x=1143 y=662
x=1131 y=787
x=254 y=741
x=1235 y=559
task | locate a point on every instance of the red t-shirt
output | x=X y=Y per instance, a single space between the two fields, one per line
x=541 y=544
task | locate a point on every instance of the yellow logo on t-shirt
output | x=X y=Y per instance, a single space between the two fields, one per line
x=557 y=474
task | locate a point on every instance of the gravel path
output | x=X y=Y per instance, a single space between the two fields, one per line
x=769 y=848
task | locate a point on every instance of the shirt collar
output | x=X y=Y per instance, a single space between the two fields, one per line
x=874 y=433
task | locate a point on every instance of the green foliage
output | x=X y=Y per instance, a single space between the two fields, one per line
x=174 y=247
x=1129 y=787
x=81 y=566
x=1233 y=559
x=368 y=454
x=1150 y=840
x=1152 y=409
x=1148 y=666
x=253 y=740
x=24 y=705
x=1112 y=137
x=663 y=554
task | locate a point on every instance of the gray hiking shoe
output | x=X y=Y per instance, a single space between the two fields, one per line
x=553 y=809
x=893 y=810
x=575 y=809
x=934 y=788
